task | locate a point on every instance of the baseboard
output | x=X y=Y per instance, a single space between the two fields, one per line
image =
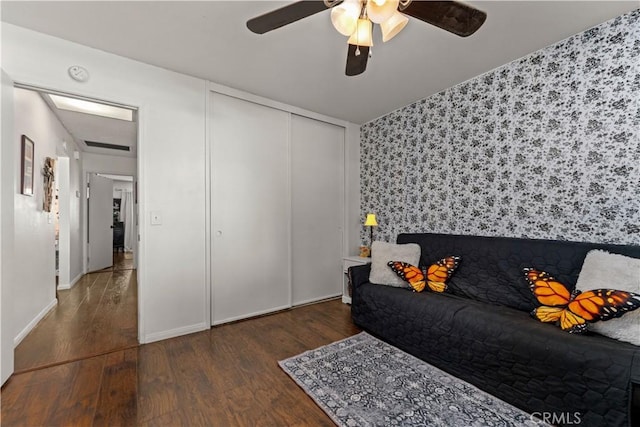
x=250 y=315
x=23 y=333
x=172 y=333
x=64 y=286
x=314 y=300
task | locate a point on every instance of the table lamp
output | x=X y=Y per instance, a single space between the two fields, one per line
x=371 y=222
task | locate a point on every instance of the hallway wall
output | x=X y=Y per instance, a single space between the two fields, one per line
x=33 y=256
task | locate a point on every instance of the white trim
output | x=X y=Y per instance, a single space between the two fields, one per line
x=290 y=208
x=22 y=335
x=346 y=299
x=317 y=299
x=64 y=286
x=208 y=207
x=254 y=314
x=172 y=333
x=352 y=189
x=7 y=232
x=140 y=260
x=224 y=90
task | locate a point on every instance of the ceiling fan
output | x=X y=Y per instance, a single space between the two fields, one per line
x=355 y=18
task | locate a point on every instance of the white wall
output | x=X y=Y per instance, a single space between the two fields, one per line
x=117 y=165
x=172 y=285
x=353 y=222
x=120 y=186
x=34 y=246
x=7 y=190
x=76 y=233
x=64 y=241
x=69 y=180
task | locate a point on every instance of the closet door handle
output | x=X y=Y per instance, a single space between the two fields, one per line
x=219 y=233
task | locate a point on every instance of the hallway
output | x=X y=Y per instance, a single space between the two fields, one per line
x=97 y=316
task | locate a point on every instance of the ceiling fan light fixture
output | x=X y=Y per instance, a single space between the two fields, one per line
x=380 y=11
x=344 y=17
x=363 y=36
x=392 y=26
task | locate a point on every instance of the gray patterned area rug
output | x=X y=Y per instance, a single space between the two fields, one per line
x=362 y=381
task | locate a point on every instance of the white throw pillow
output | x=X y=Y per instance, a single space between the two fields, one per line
x=382 y=253
x=602 y=269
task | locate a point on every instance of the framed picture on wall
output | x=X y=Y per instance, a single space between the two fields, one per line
x=27 y=164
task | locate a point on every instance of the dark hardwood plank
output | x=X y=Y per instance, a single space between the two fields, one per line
x=60 y=395
x=78 y=405
x=117 y=404
x=98 y=315
x=157 y=396
x=226 y=376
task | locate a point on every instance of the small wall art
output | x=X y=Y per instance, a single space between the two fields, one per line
x=48 y=171
x=26 y=181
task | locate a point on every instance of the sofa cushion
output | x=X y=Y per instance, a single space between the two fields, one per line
x=382 y=253
x=601 y=269
x=572 y=310
x=434 y=277
x=491 y=270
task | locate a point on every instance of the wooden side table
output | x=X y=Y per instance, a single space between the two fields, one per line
x=350 y=261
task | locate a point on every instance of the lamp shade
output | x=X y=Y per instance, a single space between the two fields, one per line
x=379 y=11
x=344 y=17
x=392 y=26
x=363 y=35
x=371 y=220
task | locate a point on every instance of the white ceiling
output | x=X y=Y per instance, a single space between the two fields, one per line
x=302 y=64
x=89 y=127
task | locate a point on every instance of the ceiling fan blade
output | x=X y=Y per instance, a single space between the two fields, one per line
x=356 y=64
x=285 y=15
x=457 y=18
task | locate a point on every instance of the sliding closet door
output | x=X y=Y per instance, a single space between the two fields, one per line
x=317 y=191
x=250 y=209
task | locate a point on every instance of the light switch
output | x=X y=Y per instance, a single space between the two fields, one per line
x=156 y=218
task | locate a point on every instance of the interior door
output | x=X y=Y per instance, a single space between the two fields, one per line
x=317 y=191
x=250 y=209
x=100 y=223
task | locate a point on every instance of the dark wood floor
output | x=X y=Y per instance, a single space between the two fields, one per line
x=96 y=316
x=121 y=261
x=226 y=376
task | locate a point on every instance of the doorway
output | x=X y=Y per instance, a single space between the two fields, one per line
x=112 y=222
x=97 y=309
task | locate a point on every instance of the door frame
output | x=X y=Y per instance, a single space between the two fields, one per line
x=85 y=216
x=7 y=232
x=140 y=177
x=62 y=183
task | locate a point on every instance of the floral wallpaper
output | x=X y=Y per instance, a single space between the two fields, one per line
x=547 y=146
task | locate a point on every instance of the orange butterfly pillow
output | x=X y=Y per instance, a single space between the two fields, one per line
x=573 y=310
x=435 y=277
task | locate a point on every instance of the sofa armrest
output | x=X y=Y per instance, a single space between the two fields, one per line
x=359 y=274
